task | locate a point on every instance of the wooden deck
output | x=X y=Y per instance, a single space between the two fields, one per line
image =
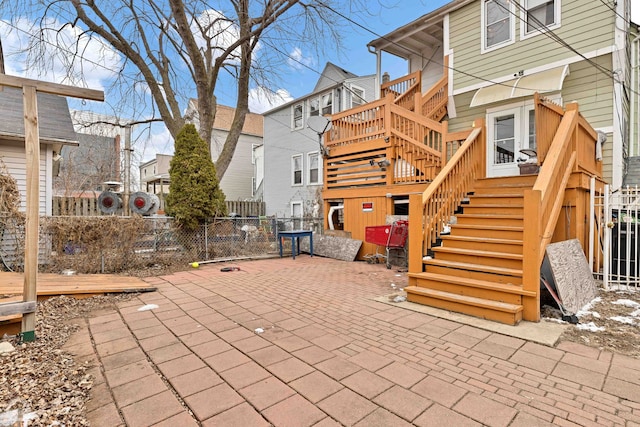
x=49 y=285
x=82 y=284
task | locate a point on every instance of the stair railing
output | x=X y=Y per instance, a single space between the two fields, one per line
x=434 y=208
x=543 y=203
x=403 y=89
x=433 y=103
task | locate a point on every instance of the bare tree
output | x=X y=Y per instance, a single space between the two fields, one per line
x=180 y=47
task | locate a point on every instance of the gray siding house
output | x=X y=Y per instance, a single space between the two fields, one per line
x=500 y=52
x=55 y=129
x=293 y=162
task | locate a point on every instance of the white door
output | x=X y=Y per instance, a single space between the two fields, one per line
x=509 y=131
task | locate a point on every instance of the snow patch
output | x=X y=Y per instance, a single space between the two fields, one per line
x=627 y=303
x=148 y=307
x=624 y=319
x=589 y=327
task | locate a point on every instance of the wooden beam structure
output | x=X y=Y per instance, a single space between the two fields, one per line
x=30 y=88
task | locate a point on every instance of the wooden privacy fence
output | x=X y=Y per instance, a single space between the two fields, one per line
x=88 y=206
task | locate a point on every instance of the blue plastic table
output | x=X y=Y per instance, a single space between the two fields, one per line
x=295 y=236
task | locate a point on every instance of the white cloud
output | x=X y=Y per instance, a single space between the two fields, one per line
x=635 y=12
x=262 y=99
x=159 y=141
x=297 y=60
x=99 y=62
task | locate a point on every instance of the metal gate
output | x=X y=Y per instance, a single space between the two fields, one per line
x=614 y=241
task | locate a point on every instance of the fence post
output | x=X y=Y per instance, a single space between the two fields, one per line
x=206 y=240
x=592 y=202
x=606 y=257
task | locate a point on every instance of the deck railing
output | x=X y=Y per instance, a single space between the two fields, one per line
x=440 y=200
x=403 y=89
x=418 y=145
x=359 y=124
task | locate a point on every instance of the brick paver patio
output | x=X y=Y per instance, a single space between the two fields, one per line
x=331 y=355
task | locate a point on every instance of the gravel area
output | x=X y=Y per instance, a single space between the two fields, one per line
x=39 y=381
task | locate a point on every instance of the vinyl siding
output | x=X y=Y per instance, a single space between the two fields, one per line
x=578 y=18
x=281 y=142
x=13 y=156
x=236 y=182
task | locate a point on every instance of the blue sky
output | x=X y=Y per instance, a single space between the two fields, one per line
x=299 y=80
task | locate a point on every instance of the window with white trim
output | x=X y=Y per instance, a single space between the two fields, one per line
x=357 y=96
x=314 y=106
x=539 y=15
x=327 y=103
x=297 y=115
x=296 y=169
x=498 y=23
x=314 y=165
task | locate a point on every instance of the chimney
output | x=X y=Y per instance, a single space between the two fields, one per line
x=385 y=77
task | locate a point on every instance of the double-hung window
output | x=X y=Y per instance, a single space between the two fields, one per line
x=357 y=96
x=538 y=15
x=314 y=106
x=296 y=169
x=297 y=116
x=498 y=23
x=327 y=103
x=314 y=168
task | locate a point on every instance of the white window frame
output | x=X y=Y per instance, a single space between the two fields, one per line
x=360 y=101
x=320 y=166
x=294 y=125
x=297 y=203
x=293 y=170
x=317 y=111
x=253 y=153
x=523 y=20
x=483 y=30
x=322 y=98
x=521 y=112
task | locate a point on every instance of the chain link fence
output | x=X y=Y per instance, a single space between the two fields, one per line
x=111 y=244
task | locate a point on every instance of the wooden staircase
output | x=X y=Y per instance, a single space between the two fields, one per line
x=477 y=270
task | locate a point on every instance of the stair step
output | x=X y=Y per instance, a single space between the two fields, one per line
x=495 y=245
x=495 y=231
x=502 y=271
x=492 y=310
x=515 y=181
x=513 y=277
x=477 y=208
x=497 y=199
x=480 y=257
x=508 y=288
x=490 y=219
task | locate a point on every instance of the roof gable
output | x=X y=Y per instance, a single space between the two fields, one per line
x=54 y=119
x=331 y=75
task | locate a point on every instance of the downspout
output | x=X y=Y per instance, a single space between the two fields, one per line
x=376 y=83
x=635 y=110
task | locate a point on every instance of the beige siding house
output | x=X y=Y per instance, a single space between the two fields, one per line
x=238 y=182
x=500 y=52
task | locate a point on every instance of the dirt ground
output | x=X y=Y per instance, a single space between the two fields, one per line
x=610 y=322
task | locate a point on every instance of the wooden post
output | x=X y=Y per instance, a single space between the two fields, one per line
x=416 y=233
x=32 y=153
x=445 y=131
x=531 y=254
x=30 y=88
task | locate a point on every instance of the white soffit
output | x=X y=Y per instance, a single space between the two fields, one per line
x=542 y=82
